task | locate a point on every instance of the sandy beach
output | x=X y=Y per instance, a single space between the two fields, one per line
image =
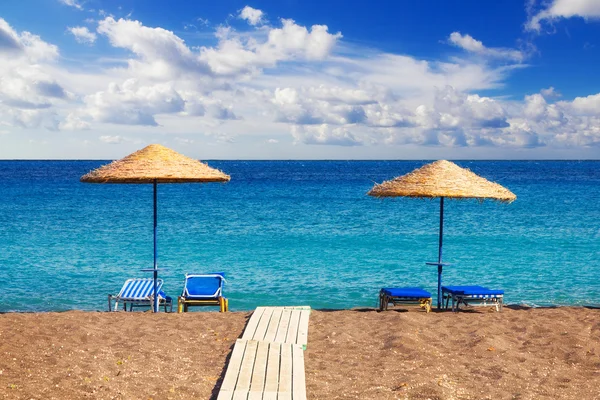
x=522 y=353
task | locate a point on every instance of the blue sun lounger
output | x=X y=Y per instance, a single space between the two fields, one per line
x=203 y=290
x=404 y=295
x=472 y=296
x=139 y=292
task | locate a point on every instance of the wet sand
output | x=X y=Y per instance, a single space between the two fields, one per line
x=521 y=353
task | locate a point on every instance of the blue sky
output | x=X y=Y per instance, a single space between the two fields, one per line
x=300 y=80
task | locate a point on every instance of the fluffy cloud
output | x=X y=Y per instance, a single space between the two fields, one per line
x=133 y=104
x=72 y=3
x=589 y=105
x=324 y=135
x=237 y=54
x=587 y=9
x=252 y=15
x=162 y=54
x=27 y=90
x=24 y=46
x=468 y=43
x=111 y=139
x=83 y=35
x=267 y=81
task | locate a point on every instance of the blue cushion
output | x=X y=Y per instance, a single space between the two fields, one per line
x=204 y=286
x=413 y=292
x=472 y=290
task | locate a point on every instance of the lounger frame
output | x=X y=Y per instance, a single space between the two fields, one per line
x=385 y=300
x=496 y=300
x=216 y=299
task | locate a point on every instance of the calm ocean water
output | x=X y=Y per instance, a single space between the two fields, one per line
x=296 y=232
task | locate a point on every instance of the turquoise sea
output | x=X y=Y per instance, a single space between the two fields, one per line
x=296 y=233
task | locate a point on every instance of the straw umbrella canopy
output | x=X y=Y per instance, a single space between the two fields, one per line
x=155 y=164
x=442 y=179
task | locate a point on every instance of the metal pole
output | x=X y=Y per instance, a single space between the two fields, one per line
x=155 y=303
x=439 y=293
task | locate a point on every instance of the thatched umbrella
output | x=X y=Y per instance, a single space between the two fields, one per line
x=442 y=179
x=155 y=164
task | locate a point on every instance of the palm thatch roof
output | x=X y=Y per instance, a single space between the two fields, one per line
x=442 y=179
x=155 y=163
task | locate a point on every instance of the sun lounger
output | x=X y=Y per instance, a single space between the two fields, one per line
x=203 y=290
x=139 y=292
x=472 y=296
x=404 y=295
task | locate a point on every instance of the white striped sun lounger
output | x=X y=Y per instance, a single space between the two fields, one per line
x=139 y=292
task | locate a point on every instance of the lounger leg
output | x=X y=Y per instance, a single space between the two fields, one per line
x=386 y=302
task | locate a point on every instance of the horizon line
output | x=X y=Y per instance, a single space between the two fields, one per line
x=323 y=159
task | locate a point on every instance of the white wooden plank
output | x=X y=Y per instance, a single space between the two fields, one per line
x=263 y=324
x=285 y=373
x=269 y=396
x=233 y=370
x=273 y=325
x=240 y=395
x=302 y=338
x=292 y=334
x=245 y=376
x=272 y=378
x=253 y=323
x=258 y=374
x=284 y=323
x=298 y=375
x=255 y=395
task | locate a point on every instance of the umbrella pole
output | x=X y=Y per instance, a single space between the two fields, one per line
x=155 y=303
x=439 y=293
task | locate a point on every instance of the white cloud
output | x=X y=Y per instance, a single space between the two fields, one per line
x=27 y=91
x=589 y=105
x=587 y=9
x=238 y=55
x=25 y=45
x=83 y=34
x=161 y=53
x=324 y=135
x=252 y=15
x=111 y=139
x=550 y=93
x=73 y=122
x=133 y=104
x=468 y=43
x=261 y=85
x=72 y=3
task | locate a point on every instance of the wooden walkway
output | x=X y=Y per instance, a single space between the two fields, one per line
x=279 y=325
x=267 y=363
